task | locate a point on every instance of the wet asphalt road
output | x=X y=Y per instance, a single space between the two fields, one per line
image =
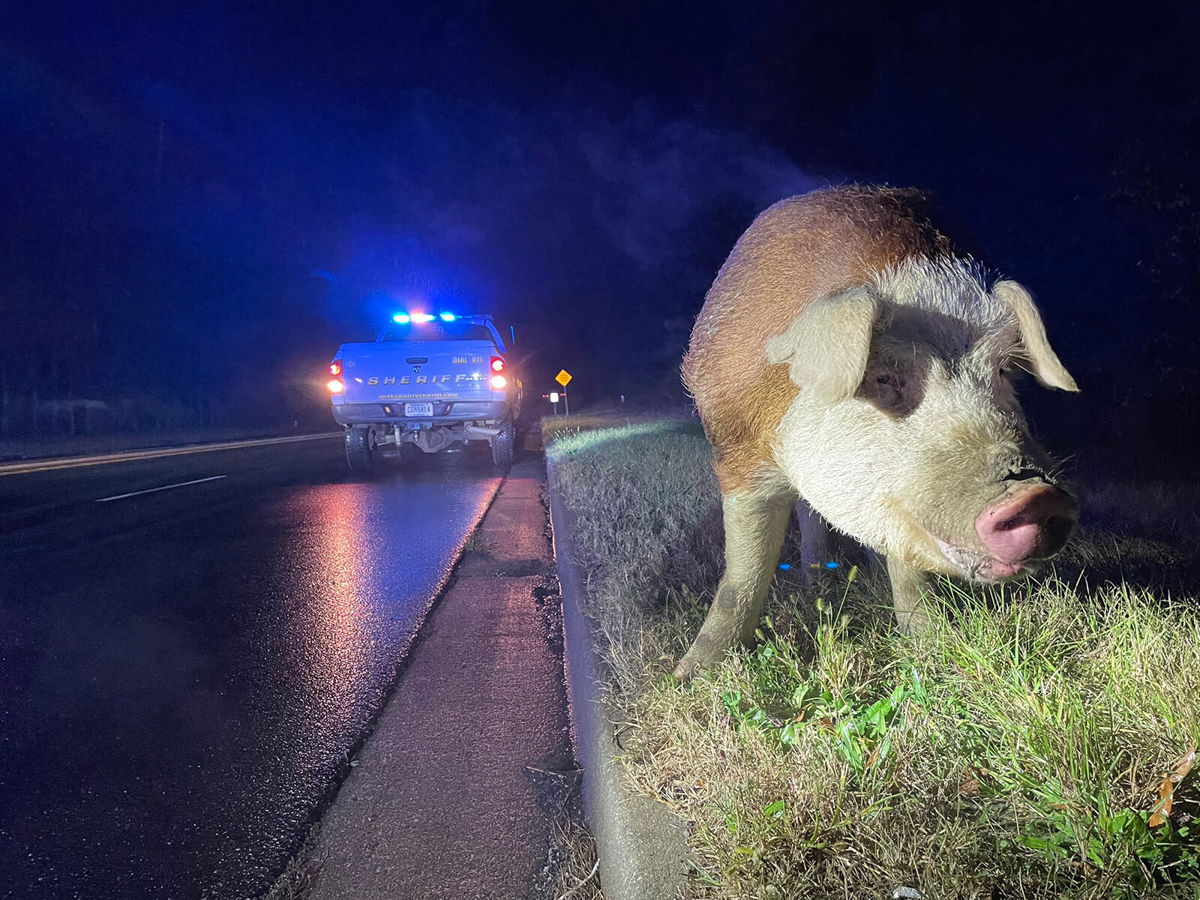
x=182 y=672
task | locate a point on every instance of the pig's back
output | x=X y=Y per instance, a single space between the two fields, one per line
x=797 y=250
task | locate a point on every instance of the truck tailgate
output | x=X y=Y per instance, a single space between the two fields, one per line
x=417 y=370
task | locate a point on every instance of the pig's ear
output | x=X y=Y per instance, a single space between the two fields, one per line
x=828 y=344
x=1047 y=367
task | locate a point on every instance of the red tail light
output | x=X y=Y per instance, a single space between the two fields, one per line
x=335 y=384
x=497 y=364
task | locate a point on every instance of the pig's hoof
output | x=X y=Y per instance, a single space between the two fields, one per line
x=912 y=623
x=703 y=655
x=687 y=669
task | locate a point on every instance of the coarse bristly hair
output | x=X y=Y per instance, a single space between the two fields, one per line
x=956 y=293
x=953 y=286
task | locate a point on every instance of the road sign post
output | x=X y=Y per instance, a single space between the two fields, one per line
x=563 y=377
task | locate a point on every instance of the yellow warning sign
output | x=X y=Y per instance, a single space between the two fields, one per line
x=563 y=377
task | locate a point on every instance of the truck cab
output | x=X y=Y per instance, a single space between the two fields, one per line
x=428 y=380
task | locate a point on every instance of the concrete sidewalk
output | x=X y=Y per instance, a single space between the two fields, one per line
x=441 y=803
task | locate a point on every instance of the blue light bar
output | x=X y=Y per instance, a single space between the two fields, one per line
x=402 y=318
x=447 y=317
x=422 y=317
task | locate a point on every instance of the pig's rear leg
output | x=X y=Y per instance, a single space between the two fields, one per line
x=754 y=529
x=814 y=541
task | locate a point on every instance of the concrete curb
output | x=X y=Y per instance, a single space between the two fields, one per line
x=641 y=844
x=442 y=803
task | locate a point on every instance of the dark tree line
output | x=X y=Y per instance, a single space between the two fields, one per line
x=145 y=280
x=198 y=207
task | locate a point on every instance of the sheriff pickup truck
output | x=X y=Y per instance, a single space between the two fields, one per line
x=428 y=380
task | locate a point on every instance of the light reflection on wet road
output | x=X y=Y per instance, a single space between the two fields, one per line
x=182 y=673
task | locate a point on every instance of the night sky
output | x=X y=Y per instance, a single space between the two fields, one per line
x=201 y=204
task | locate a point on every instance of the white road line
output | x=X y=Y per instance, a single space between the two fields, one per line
x=165 y=487
x=74 y=462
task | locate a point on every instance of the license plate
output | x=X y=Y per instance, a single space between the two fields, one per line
x=418 y=409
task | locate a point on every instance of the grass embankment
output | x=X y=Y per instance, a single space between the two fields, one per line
x=1034 y=743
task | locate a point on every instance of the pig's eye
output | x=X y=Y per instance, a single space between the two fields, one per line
x=890 y=380
x=892 y=387
x=889 y=387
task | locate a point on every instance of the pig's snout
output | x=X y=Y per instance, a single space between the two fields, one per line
x=1028 y=523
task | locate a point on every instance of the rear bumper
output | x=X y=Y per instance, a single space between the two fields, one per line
x=445 y=413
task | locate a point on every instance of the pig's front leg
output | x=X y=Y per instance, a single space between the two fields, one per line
x=907 y=583
x=754 y=529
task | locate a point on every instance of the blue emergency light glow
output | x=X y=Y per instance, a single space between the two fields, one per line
x=402 y=318
x=785 y=566
x=831 y=565
x=422 y=317
x=447 y=317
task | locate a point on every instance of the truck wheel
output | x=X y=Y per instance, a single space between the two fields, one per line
x=360 y=449
x=503 y=445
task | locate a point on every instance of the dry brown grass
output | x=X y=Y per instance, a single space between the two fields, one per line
x=575 y=857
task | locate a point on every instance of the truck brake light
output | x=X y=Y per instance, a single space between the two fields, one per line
x=335 y=384
x=497 y=363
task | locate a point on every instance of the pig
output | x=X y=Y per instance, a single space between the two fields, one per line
x=850 y=355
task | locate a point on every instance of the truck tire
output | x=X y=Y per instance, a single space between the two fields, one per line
x=360 y=449
x=503 y=446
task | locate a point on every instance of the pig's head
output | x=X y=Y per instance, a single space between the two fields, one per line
x=907 y=433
